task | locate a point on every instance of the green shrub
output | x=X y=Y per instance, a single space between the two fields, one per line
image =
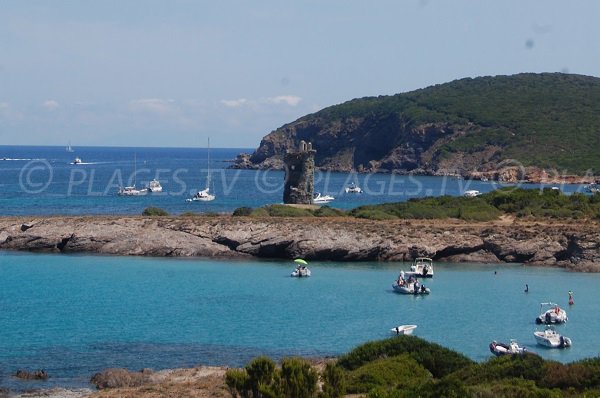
x=326 y=211
x=396 y=372
x=237 y=381
x=260 y=212
x=242 y=211
x=298 y=378
x=512 y=388
x=334 y=382
x=154 y=211
x=436 y=359
x=287 y=211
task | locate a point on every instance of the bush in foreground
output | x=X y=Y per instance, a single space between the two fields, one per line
x=154 y=211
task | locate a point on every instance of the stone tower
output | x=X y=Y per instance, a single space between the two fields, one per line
x=299 y=175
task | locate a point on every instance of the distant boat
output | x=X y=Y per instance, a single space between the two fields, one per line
x=353 y=188
x=551 y=338
x=551 y=313
x=322 y=199
x=132 y=190
x=205 y=195
x=403 y=329
x=512 y=348
x=471 y=193
x=154 y=186
x=77 y=160
x=68 y=148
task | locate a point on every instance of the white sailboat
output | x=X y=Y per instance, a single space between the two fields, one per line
x=68 y=148
x=132 y=190
x=205 y=195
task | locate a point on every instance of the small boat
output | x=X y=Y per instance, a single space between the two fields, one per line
x=301 y=271
x=68 y=148
x=131 y=191
x=154 y=186
x=551 y=338
x=512 y=348
x=320 y=199
x=471 y=193
x=409 y=285
x=403 y=329
x=204 y=195
x=551 y=313
x=353 y=188
x=77 y=160
x=421 y=267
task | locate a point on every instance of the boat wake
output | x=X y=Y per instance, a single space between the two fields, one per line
x=20 y=159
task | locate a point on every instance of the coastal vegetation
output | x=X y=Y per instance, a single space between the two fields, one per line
x=408 y=366
x=464 y=126
x=523 y=203
x=154 y=211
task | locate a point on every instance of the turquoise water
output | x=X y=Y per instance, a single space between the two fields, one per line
x=73 y=315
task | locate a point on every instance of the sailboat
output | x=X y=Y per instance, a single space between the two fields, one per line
x=205 y=195
x=68 y=148
x=132 y=190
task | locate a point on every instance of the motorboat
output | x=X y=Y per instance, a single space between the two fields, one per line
x=471 y=193
x=301 y=271
x=551 y=313
x=204 y=195
x=353 y=188
x=403 y=329
x=77 y=160
x=131 y=191
x=320 y=199
x=154 y=186
x=551 y=338
x=512 y=348
x=409 y=285
x=421 y=267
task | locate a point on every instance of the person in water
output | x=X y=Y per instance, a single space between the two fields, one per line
x=526 y=288
x=571 y=301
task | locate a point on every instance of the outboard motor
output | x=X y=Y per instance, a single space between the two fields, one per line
x=562 y=341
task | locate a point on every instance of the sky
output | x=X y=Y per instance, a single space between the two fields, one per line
x=172 y=73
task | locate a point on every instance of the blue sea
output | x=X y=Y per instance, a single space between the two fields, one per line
x=42 y=181
x=73 y=315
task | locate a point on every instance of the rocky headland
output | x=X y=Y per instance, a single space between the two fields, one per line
x=574 y=245
x=504 y=128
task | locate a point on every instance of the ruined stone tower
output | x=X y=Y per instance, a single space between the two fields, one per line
x=299 y=175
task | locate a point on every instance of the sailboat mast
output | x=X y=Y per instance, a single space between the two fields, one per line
x=208 y=157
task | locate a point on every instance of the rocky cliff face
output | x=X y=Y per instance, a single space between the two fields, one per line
x=571 y=245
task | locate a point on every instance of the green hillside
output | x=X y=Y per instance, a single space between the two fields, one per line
x=548 y=120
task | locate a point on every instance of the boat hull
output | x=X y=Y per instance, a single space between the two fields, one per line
x=403 y=329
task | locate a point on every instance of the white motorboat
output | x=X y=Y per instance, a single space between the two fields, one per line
x=131 y=191
x=409 y=285
x=154 y=186
x=421 y=267
x=301 y=271
x=205 y=195
x=512 y=348
x=471 y=193
x=551 y=313
x=353 y=188
x=77 y=160
x=320 y=199
x=403 y=329
x=551 y=338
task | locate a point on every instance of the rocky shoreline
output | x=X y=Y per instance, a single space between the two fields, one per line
x=574 y=245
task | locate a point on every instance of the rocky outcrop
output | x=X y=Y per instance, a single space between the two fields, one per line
x=572 y=245
x=40 y=374
x=115 y=378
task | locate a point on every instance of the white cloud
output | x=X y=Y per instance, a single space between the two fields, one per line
x=153 y=105
x=51 y=105
x=4 y=105
x=290 y=100
x=236 y=103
